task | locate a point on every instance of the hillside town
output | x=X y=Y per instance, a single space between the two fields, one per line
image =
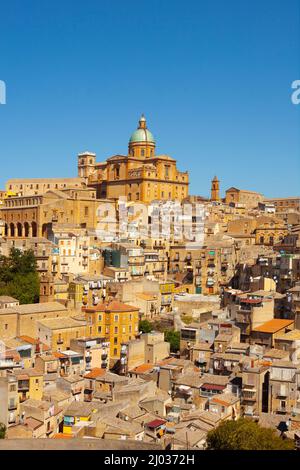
x=155 y=315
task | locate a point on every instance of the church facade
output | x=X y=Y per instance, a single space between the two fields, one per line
x=141 y=175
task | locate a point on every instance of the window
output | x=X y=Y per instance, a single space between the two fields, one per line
x=142 y=152
x=115 y=340
x=99 y=317
x=116 y=317
x=116 y=330
x=99 y=329
x=86 y=211
x=115 y=351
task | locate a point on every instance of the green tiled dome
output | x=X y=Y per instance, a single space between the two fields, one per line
x=142 y=135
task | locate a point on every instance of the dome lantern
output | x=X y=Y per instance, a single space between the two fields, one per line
x=142 y=143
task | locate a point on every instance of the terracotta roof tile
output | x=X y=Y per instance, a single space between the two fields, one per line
x=96 y=372
x=113 y=306
x=143 y=368
x=274 y=325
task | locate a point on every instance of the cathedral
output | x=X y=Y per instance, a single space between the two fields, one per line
x=141 y=175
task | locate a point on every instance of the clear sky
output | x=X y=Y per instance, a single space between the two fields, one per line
x=212 y=77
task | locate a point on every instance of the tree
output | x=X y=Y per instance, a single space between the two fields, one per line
x=2 y=431
x=245 y=434
x=173 y=337
x=19 y=277
x=145 y=326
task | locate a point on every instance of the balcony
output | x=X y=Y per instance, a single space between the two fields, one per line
x=242 y=319
x=281 y=409
x=12 y=406
x=23 y=386
x=51 y=370
x=50 y=430
x=282 y=394
x=249 y=396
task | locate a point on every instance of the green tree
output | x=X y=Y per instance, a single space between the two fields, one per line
x=173 y=337
x=145 y=326
x=245 y=434
x=2 y=431
x=19 y=277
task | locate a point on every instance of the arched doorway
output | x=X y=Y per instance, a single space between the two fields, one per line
x=47 y=231
x=12 y=229
x=26 y=229
x=34 y=229
x=19 y=229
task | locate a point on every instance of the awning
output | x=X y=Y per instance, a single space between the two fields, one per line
x=213 y=387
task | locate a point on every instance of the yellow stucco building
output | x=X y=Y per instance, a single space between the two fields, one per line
x=115 y=321
x=141 y=175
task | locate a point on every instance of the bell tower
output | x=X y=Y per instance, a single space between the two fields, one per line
x=215 y=190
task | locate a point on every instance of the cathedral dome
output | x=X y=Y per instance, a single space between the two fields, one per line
x=142 y=134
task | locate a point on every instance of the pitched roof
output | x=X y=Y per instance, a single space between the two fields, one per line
x=272 y=326
x=113 y=306
x=142 y=368
x=61 y=323
x=7 y=298
x=38 y=308
x=94 y=373
x=290 y=335
x=155 y=423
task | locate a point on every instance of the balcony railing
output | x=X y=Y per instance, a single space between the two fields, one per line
x=12 y=406
x=23 y=386
x=281 y=409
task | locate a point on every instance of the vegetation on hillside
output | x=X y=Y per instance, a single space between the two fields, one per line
x=2 y=431
x=19 y=277
x=245 y=434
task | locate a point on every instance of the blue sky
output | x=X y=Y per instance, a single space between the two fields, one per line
x=213 y=79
